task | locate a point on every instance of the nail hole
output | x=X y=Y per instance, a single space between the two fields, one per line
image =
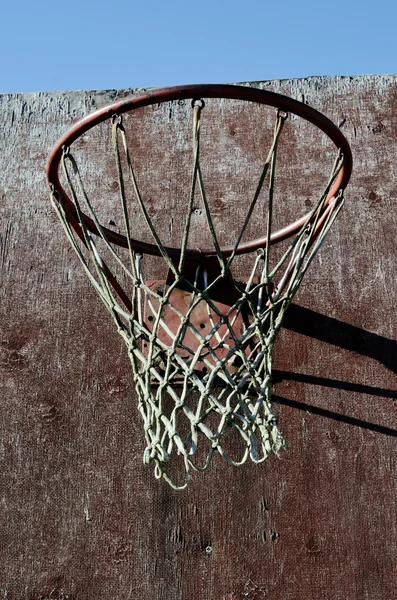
x=150 y=318
x=202 y=325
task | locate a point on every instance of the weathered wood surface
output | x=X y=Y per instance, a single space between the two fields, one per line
x=82 y=518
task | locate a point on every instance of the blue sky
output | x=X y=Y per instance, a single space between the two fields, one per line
x=83 y=44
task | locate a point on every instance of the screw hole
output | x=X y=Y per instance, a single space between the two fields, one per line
x=150 y=318
x=202 y=325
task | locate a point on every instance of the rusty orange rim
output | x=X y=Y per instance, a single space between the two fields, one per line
x=232 y=92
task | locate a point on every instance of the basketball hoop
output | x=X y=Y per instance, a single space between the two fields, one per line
x=199 y=340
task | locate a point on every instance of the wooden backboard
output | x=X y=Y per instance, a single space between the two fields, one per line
x=82 y=517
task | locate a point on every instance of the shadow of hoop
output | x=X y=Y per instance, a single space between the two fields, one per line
x=332 y=331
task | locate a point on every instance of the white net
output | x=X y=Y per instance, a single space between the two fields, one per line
x=202 y=365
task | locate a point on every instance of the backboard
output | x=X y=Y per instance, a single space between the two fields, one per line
x=83 y=517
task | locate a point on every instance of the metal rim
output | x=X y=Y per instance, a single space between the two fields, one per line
x=195 y=92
